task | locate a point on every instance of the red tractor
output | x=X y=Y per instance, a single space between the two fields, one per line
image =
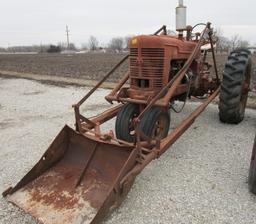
x=85 y=172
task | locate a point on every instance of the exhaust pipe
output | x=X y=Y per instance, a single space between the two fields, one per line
x=181 y=17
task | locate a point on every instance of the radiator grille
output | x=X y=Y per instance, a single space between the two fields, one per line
x=151 y=65
x=134 y=52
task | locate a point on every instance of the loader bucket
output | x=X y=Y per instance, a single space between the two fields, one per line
x=76 y=180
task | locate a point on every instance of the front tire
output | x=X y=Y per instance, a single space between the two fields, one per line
x=155 y=123
x=124 y=122
x=235 y=87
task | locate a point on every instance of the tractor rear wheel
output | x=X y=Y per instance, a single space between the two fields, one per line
x=252 y=171
x=155 y=123
x=124 y=122
x=235 y=87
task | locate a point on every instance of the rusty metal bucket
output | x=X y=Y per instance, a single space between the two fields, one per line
x=76 y=180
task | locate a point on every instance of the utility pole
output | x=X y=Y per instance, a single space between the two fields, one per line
x=67 y=32
x=41 y=47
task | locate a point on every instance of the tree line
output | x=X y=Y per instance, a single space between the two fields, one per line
x=116 y=44
x=119 y=44
x=225 y=44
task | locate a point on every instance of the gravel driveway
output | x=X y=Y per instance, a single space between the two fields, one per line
x=201 y=179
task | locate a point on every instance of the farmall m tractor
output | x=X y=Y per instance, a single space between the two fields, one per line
x=85 y=173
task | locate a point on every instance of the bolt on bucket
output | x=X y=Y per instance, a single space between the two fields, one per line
x=76 y=180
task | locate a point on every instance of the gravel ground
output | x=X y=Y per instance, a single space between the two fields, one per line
x=201 y=179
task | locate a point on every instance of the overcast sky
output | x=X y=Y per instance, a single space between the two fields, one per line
x=26 y=22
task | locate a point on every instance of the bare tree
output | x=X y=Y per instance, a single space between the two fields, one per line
x=116 y=44
x=243 y=44
x=225 y=44
x=217 y=35
x=93 y=43
x=126 y=41
x=222 y=42
x=217 y=32
x=234 y=41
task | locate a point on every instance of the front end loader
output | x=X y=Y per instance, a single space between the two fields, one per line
x=85 y=173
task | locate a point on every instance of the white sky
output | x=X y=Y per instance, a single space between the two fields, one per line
x=26 y=22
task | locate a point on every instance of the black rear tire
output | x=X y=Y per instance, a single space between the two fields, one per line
x=252 y=171
x=155 y=123
x=235 y=87
x=124 y=122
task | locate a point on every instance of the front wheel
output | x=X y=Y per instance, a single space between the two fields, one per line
x=125 y=122
x=155 y=123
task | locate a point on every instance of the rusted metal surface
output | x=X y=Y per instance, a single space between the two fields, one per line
x=104 y=117
x=140 y=96
x=86 y=173
x=150 y=61
x=74 y=185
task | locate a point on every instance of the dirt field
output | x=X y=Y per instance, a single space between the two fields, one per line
x=90 y=66
x=87 y=66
